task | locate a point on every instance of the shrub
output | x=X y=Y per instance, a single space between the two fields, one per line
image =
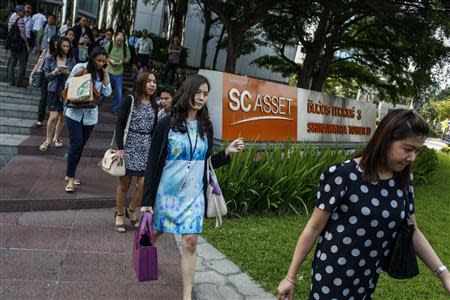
x=281 y=178
x=425 y=165
x=160 y=47
x=445 y=149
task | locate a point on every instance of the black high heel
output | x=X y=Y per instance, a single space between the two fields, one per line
x=135 y=222
x=119 y=227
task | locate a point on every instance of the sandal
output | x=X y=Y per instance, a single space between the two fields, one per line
x=119 y=227
x=58 y=143
x=75 y=181
x=135 y=222
x=69 y=189
x=44 y=146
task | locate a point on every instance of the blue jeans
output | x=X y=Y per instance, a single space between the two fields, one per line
x=117 y=85
x=78 y=135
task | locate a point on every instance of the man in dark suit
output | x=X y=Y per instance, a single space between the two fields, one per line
x=81 y=29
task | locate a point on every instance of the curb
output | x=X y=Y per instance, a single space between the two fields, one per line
x=217 y=277
x=24 y=205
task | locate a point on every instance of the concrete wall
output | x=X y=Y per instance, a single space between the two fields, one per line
x=149 y=17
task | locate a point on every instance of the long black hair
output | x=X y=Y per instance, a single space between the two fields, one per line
x=183 y=100
x=59 y=52
x=91 y=63
x=399 y=124
x=52 y=46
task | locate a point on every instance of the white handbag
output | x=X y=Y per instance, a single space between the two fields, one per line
x=109 y=165
x=217 y=207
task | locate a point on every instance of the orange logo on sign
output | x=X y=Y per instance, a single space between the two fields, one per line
x=258 y=110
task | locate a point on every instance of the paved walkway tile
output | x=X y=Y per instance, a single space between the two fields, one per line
x=219 y=278
x=77 y=255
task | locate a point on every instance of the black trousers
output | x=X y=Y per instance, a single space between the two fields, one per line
x=43 y=101
x=78 y=135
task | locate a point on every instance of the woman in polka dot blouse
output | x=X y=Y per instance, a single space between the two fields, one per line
x=360 y=205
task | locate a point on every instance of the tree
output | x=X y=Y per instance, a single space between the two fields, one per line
x=237 y=17
x=209 y=21
x=389 y=45
x=123 y=14
x=177 y=14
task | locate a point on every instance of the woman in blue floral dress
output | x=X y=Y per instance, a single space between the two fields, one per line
x=175 y=178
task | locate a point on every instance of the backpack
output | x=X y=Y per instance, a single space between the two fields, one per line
x=14 y=41
x=110 y=45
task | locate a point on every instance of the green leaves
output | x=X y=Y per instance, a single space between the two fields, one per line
x=280 y=178
x=425 y=165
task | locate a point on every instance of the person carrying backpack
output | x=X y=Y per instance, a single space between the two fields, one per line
x=18 y=47
x=118 y=54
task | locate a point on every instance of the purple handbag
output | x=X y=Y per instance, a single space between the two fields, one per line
x=145 y=257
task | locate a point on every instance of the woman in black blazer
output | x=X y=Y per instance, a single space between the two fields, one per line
x=175 y=178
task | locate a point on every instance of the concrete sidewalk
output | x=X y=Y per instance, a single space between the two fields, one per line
x=77 y=255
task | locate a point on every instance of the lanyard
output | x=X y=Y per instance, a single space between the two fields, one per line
x=191 y=150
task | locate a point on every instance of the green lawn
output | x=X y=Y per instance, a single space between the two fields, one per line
x=263 y=245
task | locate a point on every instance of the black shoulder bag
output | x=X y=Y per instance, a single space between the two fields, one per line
x=402 y=261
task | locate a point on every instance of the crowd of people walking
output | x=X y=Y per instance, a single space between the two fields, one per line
x=164 y=139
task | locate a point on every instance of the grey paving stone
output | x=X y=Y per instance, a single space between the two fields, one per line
x=207 y=291
x=90 y=290
x=210 y=277
x=26 y=289
x=224 y=266
x=207 y=251
x=243 y=282
x=30 y=264
x=229 y=292
x=63 y=218
x=32 y=237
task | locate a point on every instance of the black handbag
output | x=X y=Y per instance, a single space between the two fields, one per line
x=402 y=261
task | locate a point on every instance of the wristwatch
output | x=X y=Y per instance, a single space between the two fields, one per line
x=440 y=270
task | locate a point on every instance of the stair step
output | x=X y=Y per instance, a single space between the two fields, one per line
x=95 y=147
x=9 y=143
x=20 y=111
x=18 y=99
x=5 y=87
x=15 y=126
x=4 y=159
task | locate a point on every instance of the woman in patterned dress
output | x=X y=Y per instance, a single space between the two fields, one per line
x=134 y=150
x=175 y=179
x=360 y=206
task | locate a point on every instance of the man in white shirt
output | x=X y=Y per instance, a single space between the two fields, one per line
x=38 y=24
x=144 y=47
x=29 y=24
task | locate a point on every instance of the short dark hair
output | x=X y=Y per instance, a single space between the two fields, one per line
x=110 y=30
x=77 y=19
x=166 y=89
x=397 y=125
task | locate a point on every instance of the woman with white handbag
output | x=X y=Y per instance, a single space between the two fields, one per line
x=141 y=110
x=175 y=179
x=81 y=119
